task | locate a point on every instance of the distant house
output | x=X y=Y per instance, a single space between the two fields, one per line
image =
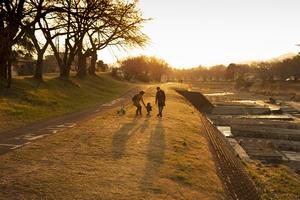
x=23 y=66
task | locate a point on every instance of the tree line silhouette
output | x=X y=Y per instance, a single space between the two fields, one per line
x=71 y=29
x=277 y=70
x=145 y=68
x=76 y=29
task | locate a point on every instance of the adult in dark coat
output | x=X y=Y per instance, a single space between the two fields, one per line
x=160 y=100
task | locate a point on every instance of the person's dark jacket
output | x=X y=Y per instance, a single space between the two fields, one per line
x=160 y=98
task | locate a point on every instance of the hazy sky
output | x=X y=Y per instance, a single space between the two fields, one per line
x=188 y=33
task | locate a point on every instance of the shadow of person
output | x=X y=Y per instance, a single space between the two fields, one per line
x=145 y=125
x=121 y=137
x=155 y=156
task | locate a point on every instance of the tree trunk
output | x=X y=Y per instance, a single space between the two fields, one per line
x=9 y=74
x=64 y=68
x=61 y=63
x=64 y=73
x=3 y=69
x=38 y=73
x=3 y=64
x=92 y=68
x=66 y=65
x=82 y=69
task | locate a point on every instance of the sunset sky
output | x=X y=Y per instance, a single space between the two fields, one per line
x=208 y=32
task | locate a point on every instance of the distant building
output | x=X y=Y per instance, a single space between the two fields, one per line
x=23 y=66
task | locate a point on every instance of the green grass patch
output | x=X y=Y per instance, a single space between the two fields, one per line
x=29 y=100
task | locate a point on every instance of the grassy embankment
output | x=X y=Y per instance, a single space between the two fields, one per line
x=28 y=101
x=276 y=182
x=118 y=157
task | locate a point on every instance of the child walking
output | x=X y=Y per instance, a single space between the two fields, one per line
x=149 y=109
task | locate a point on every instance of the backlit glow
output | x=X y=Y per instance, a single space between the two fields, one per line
x=208 y=32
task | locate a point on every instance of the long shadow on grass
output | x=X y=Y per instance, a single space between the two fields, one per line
x=145 y=126
x=121 y=137
x=155 y=157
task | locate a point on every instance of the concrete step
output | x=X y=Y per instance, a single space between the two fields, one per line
x=282 y=145
x=238 y=149
x=240 y=110
x=289 y=110
x=293 y=160
x=261 y=150
x=267 y=117
x=220 y=120
x=265 y=132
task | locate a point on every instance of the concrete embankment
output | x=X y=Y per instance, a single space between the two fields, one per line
x=235 y=179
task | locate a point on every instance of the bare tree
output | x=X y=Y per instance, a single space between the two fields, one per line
x=118 y=24
x=16 y=18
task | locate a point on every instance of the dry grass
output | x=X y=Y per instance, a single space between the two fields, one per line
x=275 y=182
x=117 y=157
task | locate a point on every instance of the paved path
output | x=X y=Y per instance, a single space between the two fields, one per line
x=18 y=137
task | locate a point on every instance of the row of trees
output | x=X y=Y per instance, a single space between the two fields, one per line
x=266 y=71
x=214 y=73
x=151 y=69
x=144 y=68
x=70 y=28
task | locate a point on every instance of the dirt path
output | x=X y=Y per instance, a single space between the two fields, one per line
x=117 y=157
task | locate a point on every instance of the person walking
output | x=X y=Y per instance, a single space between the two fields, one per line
x=137 y=99
x=160 y=99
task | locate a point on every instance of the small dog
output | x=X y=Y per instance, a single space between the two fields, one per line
x=121 y=111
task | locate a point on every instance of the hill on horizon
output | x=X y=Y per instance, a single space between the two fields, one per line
x=278 y=58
